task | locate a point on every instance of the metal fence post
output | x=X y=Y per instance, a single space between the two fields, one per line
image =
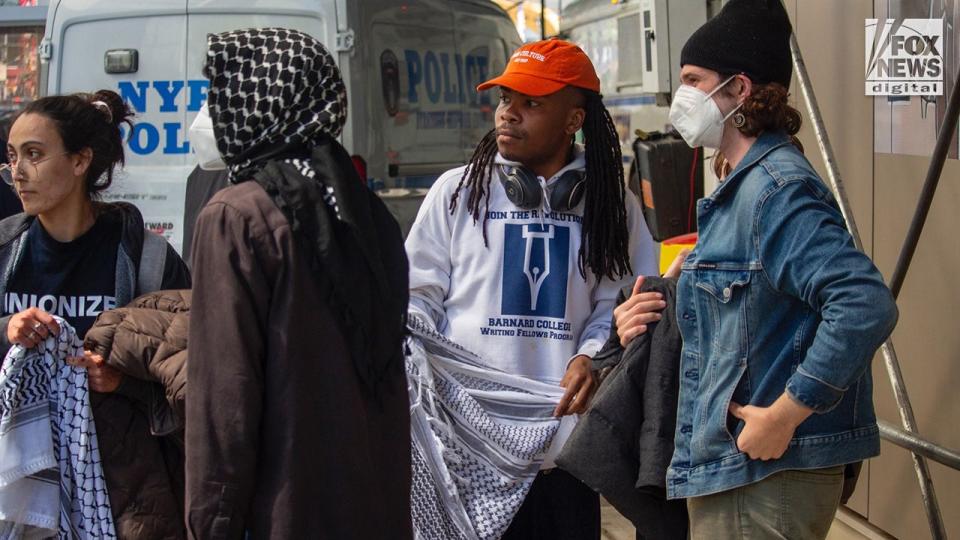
x=931 y=506
x=939 y=156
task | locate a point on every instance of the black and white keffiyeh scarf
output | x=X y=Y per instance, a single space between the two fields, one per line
x=478 y=438
x=51 y=480
x=271 y=90
x=277 y=103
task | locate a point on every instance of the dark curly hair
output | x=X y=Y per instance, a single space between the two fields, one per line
x=83 y=124
x=766 y=109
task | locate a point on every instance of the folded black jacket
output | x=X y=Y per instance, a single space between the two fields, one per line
x=622 y=446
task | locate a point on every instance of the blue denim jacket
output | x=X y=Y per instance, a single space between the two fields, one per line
x=775 y=298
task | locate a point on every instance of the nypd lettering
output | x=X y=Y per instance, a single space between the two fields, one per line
x=161 y=97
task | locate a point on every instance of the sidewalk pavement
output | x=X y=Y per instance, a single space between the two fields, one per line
x=613 y=526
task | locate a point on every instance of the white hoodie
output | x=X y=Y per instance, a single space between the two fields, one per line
x=520 y=302
x=503 y=302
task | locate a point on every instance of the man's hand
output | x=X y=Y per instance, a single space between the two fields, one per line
x=30 y=327
x=674 y=270
x=103 y=378
x=580 y=384
x=634 y=314
x=767 y=430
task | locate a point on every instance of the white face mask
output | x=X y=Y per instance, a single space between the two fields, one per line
x=203 y=142
x=697 y=117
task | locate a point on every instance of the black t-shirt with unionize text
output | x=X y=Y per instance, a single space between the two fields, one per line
x=74 y=280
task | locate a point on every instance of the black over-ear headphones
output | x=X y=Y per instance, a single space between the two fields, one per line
x=523 y=188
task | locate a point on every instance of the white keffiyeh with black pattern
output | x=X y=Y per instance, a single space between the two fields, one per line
x=478 y=435
x=270 y=87
x=51 y=481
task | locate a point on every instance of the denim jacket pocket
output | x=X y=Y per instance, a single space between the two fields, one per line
x=722 y=300
x=722 y=304
x=712 y=438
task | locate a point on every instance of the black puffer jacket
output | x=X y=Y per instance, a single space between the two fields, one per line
x=622 y=446
x=142 y=444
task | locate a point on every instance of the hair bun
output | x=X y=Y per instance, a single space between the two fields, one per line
x=104 y=108
x=112 y=106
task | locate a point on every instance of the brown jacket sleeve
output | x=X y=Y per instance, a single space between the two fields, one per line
x=147 y=342
x=232 y=256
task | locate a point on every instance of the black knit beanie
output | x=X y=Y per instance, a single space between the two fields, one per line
x=747 y=36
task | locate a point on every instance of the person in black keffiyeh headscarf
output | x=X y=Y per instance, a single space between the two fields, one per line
x=276 y=96
x=298 y=412
x=271 y=89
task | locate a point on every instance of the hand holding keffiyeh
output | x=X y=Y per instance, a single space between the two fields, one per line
x=51 y=481
x=479 y=437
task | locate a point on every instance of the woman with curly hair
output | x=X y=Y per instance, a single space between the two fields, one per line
x=780 y=314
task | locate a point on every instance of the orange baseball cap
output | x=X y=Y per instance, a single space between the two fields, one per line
x=544 y=67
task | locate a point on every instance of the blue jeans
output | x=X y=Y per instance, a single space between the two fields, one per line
x=794 y=505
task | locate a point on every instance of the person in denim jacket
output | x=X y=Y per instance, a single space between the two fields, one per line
x=780 y=313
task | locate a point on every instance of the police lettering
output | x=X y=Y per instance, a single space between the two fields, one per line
x=444 y=78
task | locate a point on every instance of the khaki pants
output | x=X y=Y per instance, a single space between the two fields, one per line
x=794 y=505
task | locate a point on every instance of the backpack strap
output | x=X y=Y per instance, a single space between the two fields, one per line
x=153 y=258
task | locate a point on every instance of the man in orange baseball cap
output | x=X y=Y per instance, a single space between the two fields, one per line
x=546 y=67
x=535 y=232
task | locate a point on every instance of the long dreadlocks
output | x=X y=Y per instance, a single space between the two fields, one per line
x=604 y=236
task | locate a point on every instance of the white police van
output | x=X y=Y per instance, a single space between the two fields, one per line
x=411 y=69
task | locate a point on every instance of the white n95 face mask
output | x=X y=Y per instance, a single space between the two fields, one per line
x=697 y=117
x=204 y=143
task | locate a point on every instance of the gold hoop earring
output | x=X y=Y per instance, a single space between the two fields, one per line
x=739 y=120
